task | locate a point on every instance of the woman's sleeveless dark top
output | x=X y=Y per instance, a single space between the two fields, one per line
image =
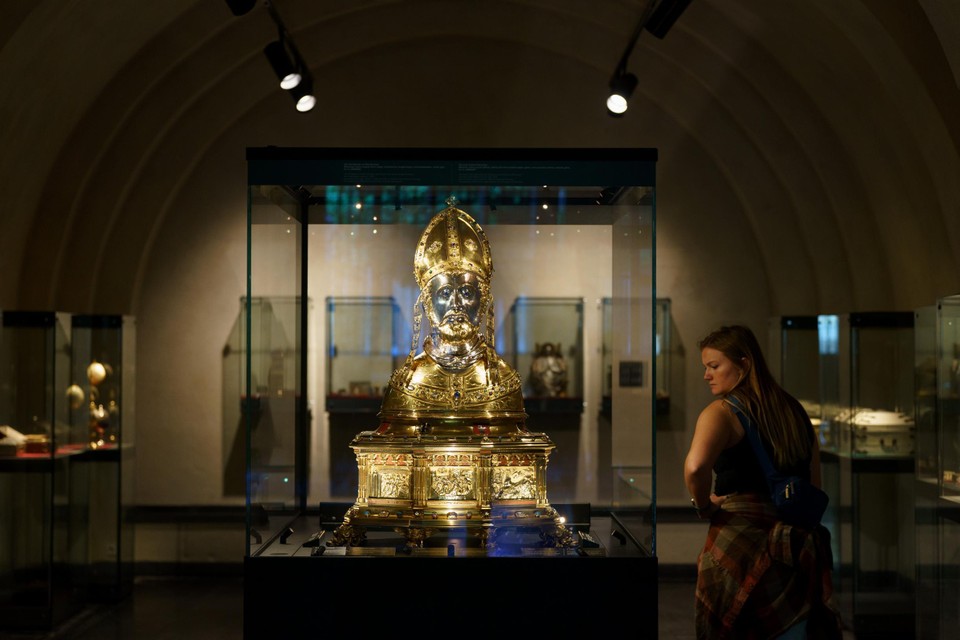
x=738 y=471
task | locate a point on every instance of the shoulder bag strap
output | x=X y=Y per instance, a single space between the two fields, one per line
x=753 y=435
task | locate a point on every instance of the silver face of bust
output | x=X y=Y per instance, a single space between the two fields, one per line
x=455 y=301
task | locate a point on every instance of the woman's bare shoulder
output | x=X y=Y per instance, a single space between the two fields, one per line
x=716 y=410
x=718 y=415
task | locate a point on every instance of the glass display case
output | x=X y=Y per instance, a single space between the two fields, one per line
x=543 y=340
x=947 y=600
x=938 y=504
x=102 y=416
x=272 y=380
x=275 y=412
x=37 y=587
x=662 y=353
x=868 y=467
x=831 y=408
x=948 y=427
x=795 y=360
x=882 y=386
x=439 y=497
x=365 y=345
x=627 y=485
x=828 y=346
x=926 y=517
x=927 y=484
x=925 y=395
x=948 y=396
x=363 y=350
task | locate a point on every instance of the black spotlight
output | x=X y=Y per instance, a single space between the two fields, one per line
x=622 y=86
x=287 y=72
x=240 y=7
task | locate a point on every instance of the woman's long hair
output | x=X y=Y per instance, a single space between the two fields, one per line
x=779 y=417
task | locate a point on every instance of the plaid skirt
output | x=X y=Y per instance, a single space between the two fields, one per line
x=757 y=576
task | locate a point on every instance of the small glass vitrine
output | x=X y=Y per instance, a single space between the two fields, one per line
x=366 y=340
x=275 y=413
x=937 y=509
x=364 y=348
x=662 y=369
x=828 y=347
x=948 y=421
x=102 y=417
x=273 y=379
x=868 y=468
x=925 y=395
x=945 y=602
x=345 y=224
x=926 y=522
x=831 y=407
x=948 y=396
x=37 y=581
x=662 y=353
x=543 y=340
x=794 y=357
x=632 y=485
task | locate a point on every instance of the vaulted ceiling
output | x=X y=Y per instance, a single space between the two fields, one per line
x=817 y=137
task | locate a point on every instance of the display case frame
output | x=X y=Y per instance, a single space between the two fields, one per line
x=946 y=572
x=102 y=470
x=37 y=578
x=925 y=396
x=361 y=356
x=663 y=353
x=387 y=192
x=926 y=520
x=543 y=341
x=871 y=515
x=248 y=421
x=948 y=397
x=627 y=485
x=937 y=511
x=365 y=338
x=795 y=359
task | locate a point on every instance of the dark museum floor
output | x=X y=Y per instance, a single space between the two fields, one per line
x=211 y=608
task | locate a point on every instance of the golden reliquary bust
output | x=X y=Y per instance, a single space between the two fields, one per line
x=452 y=452
x=458 y=380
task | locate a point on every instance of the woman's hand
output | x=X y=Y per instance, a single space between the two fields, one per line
x=707 y=510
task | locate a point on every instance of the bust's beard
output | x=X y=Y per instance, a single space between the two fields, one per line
x=455 y=345
x=457 y=333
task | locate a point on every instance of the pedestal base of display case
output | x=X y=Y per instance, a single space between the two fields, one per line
x=297 y=585
x=286 y=597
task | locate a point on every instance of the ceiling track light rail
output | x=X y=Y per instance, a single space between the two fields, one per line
x=658 y=17
x=289 y=66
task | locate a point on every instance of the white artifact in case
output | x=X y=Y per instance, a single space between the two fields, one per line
x=882 y=433
x=11 y=441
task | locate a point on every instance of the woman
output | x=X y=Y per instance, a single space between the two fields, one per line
x=757 y=577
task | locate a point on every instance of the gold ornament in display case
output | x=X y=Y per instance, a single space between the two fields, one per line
x=100 y=415
x=452 y=453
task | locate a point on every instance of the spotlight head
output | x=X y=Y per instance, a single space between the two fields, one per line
x=303 y=95
x=290 y=81
x=622 y=86
x=240 y=7
x=288 y=74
